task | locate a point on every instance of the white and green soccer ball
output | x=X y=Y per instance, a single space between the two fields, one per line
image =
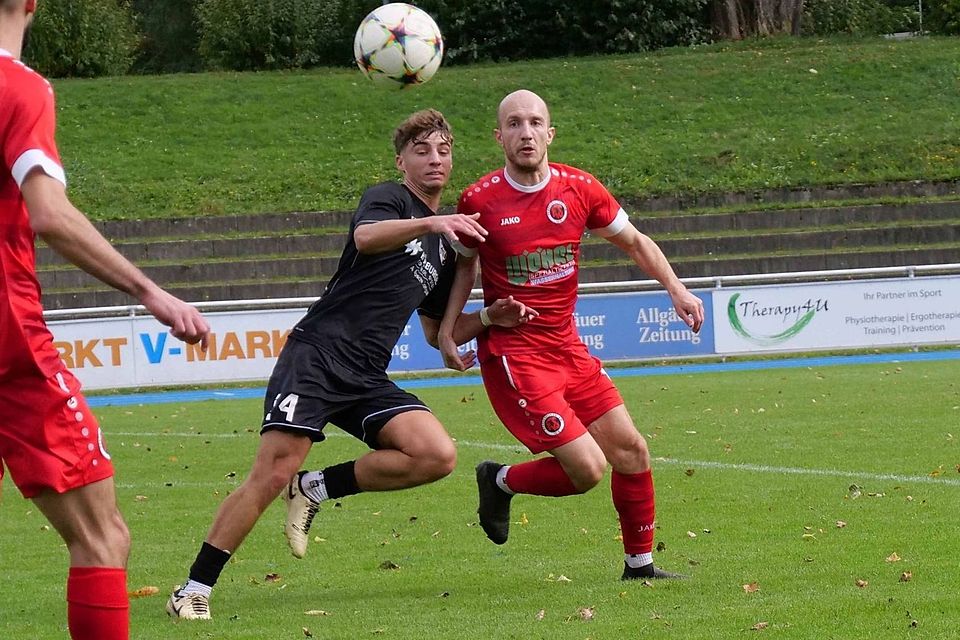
x=398 y=45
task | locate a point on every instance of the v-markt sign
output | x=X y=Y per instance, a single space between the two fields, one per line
x=837 y=315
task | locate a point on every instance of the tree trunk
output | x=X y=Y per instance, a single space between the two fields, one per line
x=736 y=19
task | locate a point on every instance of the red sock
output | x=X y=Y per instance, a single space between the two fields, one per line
x=97 y=604
x=634 y=500
x=540 y=477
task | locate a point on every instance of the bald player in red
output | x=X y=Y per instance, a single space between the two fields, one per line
x=544 y=385
x=50 y=441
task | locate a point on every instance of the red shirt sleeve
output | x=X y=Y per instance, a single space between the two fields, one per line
x=466 y=245
x=29 y=123
x=607 y=218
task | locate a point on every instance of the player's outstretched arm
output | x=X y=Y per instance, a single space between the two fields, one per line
x=388 y=235
x=466 y=275
x=648 y=256
x=54 y=218
x=458 y=328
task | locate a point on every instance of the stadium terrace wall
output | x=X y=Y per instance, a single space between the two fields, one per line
x=136 y=351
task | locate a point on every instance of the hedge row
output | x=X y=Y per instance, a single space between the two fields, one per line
x=112 y=37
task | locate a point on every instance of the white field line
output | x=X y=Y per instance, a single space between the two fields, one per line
x=704 y=464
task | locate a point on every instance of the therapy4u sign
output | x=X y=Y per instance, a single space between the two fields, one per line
x=837 y=315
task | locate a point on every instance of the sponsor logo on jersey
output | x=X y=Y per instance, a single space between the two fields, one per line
x=541 y=266
x=556 y=211
x=552 y=424
x=414 y=247
x=508 y=221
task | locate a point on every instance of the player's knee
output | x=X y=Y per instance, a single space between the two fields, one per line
x=104 y=542
x=440 y=462
x=632 y=456
x=589 y=475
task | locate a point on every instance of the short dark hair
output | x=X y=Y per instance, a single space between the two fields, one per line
x=420 y=125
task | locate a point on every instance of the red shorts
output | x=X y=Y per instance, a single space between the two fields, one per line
x=49 y=438
x=547 y=399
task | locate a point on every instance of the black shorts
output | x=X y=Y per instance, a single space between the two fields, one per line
x=309 y=389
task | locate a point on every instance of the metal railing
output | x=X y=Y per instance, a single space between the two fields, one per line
x=706 y=282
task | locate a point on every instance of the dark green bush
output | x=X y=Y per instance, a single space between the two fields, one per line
x=269 y=34
x=171 y=36
x=859 y=17
x=517 y=29
x=942 y=16
x=83 y=38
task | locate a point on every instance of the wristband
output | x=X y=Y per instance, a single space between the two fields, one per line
x=485 y=317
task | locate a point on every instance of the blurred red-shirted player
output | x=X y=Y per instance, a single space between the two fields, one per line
x=547 y=389
x=49 y=439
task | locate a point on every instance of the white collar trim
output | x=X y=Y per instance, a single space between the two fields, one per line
x=525 y=187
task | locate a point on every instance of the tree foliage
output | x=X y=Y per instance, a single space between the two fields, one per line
x=943 y=17
x=268 y=34
x=83 y=38
x=171 y=36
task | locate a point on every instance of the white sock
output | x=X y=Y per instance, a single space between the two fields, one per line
x=637 y=560
x=193 y=586
x=313 y=486
x=502 y=480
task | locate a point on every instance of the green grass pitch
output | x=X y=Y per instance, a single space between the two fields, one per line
x=803 y=503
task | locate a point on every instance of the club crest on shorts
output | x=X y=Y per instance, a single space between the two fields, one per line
x=552 y=424
x=556 y=211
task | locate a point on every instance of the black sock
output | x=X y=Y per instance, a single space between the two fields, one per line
x=208 y=565
x=341 y=480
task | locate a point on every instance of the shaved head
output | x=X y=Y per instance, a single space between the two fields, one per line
x=524 y=100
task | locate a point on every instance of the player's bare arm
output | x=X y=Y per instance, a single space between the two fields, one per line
x=68 y=232
x=388 y=235
x=647 y=255
x=466 y=275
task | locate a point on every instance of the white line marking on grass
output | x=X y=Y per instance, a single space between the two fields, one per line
x=155 y=434
x=708 y=464
x=799 y=471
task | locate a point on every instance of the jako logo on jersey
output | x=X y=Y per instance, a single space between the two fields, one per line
x=556 y=211
x=508 y=221
x=521 y=267
x=552 y=424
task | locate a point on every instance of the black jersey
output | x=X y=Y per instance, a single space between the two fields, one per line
x=366 y=305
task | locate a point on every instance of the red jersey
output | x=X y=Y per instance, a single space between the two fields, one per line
x=532 y=251
x=27 y=124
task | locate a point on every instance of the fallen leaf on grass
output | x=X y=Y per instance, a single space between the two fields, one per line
x=272 y=577
x=893 y=557
x=906 y=576
x=306 y=632
x=861 y=583
x=751 y=587
x=140 y=498
x=841 y=524
x=690 y=472
x=585 y=613
x=389 y=565
x=760 y=626
x=691 y=534
x=523 y=520
x=144 y=592
x=317 y=612
x=854 y=492
x=540 y=614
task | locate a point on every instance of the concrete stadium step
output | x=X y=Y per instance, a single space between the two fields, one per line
x=142 y=251
x=294 y=254
x=309 y=267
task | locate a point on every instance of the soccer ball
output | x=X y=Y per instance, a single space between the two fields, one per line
x=398 y=45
